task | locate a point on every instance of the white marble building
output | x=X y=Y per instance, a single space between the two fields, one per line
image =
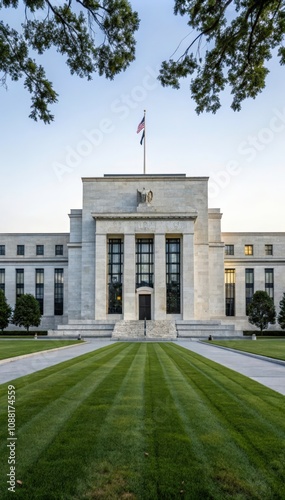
x=143 y=247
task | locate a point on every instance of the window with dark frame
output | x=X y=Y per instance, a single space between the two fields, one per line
x=58 y=292
x=2 y=250
x=229 y=249
x=58 y=249
x=249 y=287
x=230 y=279
x=248 y=249
x=40 y=249
x=115 y=275
x=20 y=249
x=173 y=276
x=144 y=262
x=40 y=288
x=269 y=282
x=268 y=249
x=19 y=282
x=2 y=280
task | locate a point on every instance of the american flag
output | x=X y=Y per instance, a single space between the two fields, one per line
x=140 y=126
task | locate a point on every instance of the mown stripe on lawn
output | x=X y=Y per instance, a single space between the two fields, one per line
x=189 y=452
x=41 y=415
x=118 y=455
x=146 y=422
x=70 y=459
x=250 y=421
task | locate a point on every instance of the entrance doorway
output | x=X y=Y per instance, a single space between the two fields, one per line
x=144 y=306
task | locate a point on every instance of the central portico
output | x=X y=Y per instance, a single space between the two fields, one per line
x=145 y=247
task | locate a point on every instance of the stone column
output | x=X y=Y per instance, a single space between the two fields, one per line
x=100 y=276
x=129 y=278
x=188 y=276
x=159 y=312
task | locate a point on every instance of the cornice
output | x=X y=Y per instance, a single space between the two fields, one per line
x=145 y=216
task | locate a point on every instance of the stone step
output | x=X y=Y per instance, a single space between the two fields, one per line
x=87 y=327
x=79 y=333
x=205 y=328
x=81 y=328
x=149 y=329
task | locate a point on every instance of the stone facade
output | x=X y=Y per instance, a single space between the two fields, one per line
x=45 y=252
x=155 y=210
x=177 y=208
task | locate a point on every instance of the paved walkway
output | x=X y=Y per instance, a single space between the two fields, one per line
x=269 y=373
x=12 y=369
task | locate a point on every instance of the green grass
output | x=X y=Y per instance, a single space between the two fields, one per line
x=12 y=348
x=144 y=421
x=265 y=347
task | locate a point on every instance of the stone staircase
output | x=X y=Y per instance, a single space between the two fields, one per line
x=203 y=329
x=149 y=330
x=84 y=328
x=158 y=330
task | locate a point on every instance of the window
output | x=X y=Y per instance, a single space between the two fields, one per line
x=144 y=259
x=58 y=292
x=230 y=291
x=249 y=287
x=40 y=288
x=40 y=249
x=2 y=280
x=229 y=250
x=2 y=250
x=115 y=275
x=58 y=249
x=248 y=249
x=19 y=282
x=268 y=249
x=20 y=249
x=173 y=276
x=269 y=282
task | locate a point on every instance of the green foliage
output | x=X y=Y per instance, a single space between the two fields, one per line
x=233 y=41
x=239 y=38
x=27 y=311
x=5 y=311
x=70 y=28
x=261 y=310
x=281 y=315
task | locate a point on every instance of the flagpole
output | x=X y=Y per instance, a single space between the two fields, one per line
x=144 y=145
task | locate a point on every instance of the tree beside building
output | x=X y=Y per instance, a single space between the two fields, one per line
x=27 y=311
x=5 y=311
x=281 y=315
x=261 y=310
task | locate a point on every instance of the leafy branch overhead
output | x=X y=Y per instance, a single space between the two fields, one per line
x=231 y=43
x=93 y=36
x=239 y=37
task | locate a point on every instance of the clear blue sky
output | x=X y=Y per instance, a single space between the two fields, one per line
x=94 y=132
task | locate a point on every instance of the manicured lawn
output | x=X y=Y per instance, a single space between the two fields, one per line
x=264 y=347
x=144 y=421
x=12 y=348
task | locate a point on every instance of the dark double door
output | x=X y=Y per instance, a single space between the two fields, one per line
x=145 y=306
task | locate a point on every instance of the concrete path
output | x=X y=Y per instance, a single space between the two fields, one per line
x=24 y=365
x=270 y=373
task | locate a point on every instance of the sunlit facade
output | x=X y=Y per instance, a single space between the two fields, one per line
x=143 y=247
